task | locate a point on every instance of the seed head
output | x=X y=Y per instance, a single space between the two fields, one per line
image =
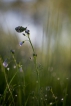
x=20 y=29
x=34 y=54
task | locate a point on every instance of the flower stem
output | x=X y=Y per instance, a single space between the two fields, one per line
x=31 y=44
x=37 y=71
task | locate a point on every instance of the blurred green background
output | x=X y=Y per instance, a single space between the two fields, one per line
x=49 y=22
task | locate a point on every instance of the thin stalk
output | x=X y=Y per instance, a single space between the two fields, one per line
x=17 y=71
x=53 y=96
x=7 y=87
x=65 y=97
x=15 y=60
x=36 y=71
x=24 y=88
x=10 y=80
x=31 y=44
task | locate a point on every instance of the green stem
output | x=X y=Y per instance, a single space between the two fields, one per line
x=8 y=88
x=31 y=44
x=36 y=71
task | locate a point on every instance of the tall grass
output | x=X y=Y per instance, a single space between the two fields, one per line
x=34 y=82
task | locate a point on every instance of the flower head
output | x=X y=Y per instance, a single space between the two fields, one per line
x=62 y=99
x=20 y=29
x=27 y=31
x=48 y=88
x=21 y=43
x=5 y=64
x=8 y=68
x=14 y=66
x=20 y=69
x=51 y=103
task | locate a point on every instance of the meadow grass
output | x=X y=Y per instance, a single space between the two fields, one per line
x=33 y=84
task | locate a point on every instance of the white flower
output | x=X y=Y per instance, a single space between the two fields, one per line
x=51 y=103
x=62 y=99
x=8 y=68
x=5 y=64
x=20 y=69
